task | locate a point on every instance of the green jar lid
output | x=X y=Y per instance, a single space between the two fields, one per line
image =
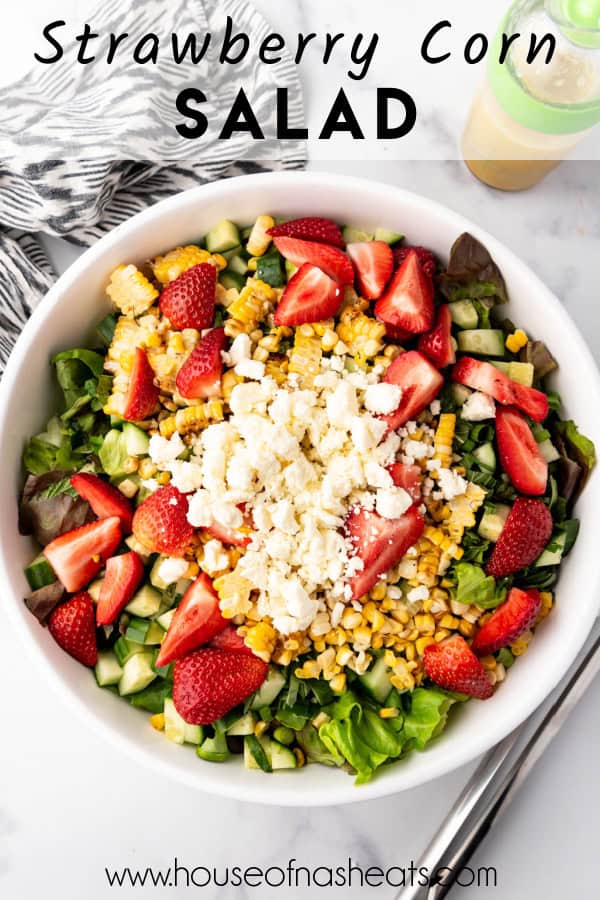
x=579 y=21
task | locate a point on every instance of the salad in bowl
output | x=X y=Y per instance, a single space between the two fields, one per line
x=308 y=491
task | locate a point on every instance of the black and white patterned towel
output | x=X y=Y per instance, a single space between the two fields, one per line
x=71 y=187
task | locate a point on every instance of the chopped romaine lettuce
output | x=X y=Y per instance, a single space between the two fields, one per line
x=473 y=586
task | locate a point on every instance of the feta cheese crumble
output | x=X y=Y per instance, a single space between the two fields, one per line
x=478 y=407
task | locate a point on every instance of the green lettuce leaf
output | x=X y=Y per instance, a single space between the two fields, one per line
x=473 y=586
x=427 y=717
x=316 y=750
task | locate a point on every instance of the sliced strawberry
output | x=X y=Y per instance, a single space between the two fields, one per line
x=437 y=344
x=407 y=477
x=420 y=383
x=394 y=333
x=189 y=301
x=73 y=627
x=105 y=500
x=197 y=619
x=519 y=452
x=160 y=522
x=426 y=258
x=78 y=555
x=200 y=376
x=374 y=264
x=408 y=300
x=484 y=377
x=526 y=532
x=323 y=231
x=380 y=544
x=142 y=395
x=518 y=613
x=229 y=639
x=329 y=259
x=121 y=580
x=453 y=666
x=209 y=683
x=237 y=537
x=310 y=296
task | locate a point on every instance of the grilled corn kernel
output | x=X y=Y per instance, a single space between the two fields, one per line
x=130 y=290
x=158 y=721
x=467 y=629
x=338 y=683
x=519 y=647
x=259 y=240
x=173 y=264
x=389 y=712
x=516 y=341
x=260 y=728
x=444 y=439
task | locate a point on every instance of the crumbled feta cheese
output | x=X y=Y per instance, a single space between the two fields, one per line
x=163 y=451
x=382 y=398
x=451 y=484
x=478 y=407
x=241 y=348
x=171 y=569
x=250 y=368
x=200 y=509
x=342 y=405
x=435 y=407
x=215 y=557
x=185 y=476
x=392 y=503
x=418 y=594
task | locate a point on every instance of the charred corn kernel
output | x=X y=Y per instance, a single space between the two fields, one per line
x=403 y=682
x=260 y=728
x=192 y=570
x=378 y=621
x=253 y=264
x=519 y=647
x=467 y=629
x=391 y=351
x=377 y=642
x=173 y=264
x=319 y=645
x=193 y=418
x=387 y=604
x=232 y=328
x=234 y=594
x=158 y=721
x=441 y=634
x=129 y=488
x=277 y=369
x=283 y=657
x=547 y=603
x=130 y=290
x=153 y=341
x=310 y=669
x=343 y=655
x=488 y=662
x=146 y=468
x=389 y=712
x=305 y=358
x=261 y=354
x=425 y=623
x=261 y=638
x=444 y=439
x=379 y=591
x=351 y=618
x=253 y=305
x=516 y=341
x=361 y=636
x=131 y=465
x=338 y=683
x=228 y=382
x=450 y=622
x=176 y=344
x=259 y=240
x=300 y=757
x=360 y=333
x=163 y=478
x=410 y=651
x=422 y=643
x=329 y=340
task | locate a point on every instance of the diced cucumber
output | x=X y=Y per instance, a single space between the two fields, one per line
x=553 y=554
x=94 y=589
x=136 y=440
x=177 y=729
x=269 y=269
x=356 y=235
x=521 y=373
x=133 y=543
x=238 y=264
x=137 y=630
x=255 y=755
x=492 y=523
x=125 y=649
x=214 y=749
x=230 y=279
x=39 y=573
x=245 y=233
x=270 y=688
x=166 y=618
x=156 y=580
x=224 y=236
x=107 y=669
x=137 y=674
x=182 y=585
x=145 y=602
x=229 y=254
x=290 y=269
x=242 y=726
x=482 y=341
x=486 y=457
x=459 y=393
x=549 y=451
x=376 y=681
x=155 y=634
x=281 y=756
x=464 y=314
x=388 y=237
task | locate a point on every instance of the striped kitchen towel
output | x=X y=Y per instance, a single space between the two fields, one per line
x=82 y=152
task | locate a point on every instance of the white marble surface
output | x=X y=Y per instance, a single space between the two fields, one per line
x=70 y=805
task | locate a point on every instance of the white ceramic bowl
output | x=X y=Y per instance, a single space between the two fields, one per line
x=66 y=318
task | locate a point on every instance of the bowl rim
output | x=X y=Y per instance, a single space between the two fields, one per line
x=402 y=778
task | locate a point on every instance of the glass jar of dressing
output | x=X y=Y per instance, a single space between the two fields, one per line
x=529 y=115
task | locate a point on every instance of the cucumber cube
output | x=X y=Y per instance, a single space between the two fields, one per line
x=145 y=603
x=107 y=669
x=223 y=237
x=137 y=674
x=177 y=729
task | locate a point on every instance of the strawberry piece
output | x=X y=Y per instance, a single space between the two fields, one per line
x=408 y=478
x=484 y=377
x=121 y=580
x=408 y=300
x=380 y=544
x=73 y=627
x=453 y=666
x=209 y=683
x=160 y=522
x=78 y=555
x=374 y=264
x=197 y=619
x=394 y=333
x=311 y=228
x=105 y=500
x=329 y=259
x=425 y=257
x=526 y=532
x=237 y=537
x=189 y=300
x=437 y=344
x=142 y=395
x=420 y=383
x=200 y=376
x=310 y=296
x=518 y=613
x=519 y=452
x=229 y=639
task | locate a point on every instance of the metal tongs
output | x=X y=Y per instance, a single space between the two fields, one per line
x=498 y=778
